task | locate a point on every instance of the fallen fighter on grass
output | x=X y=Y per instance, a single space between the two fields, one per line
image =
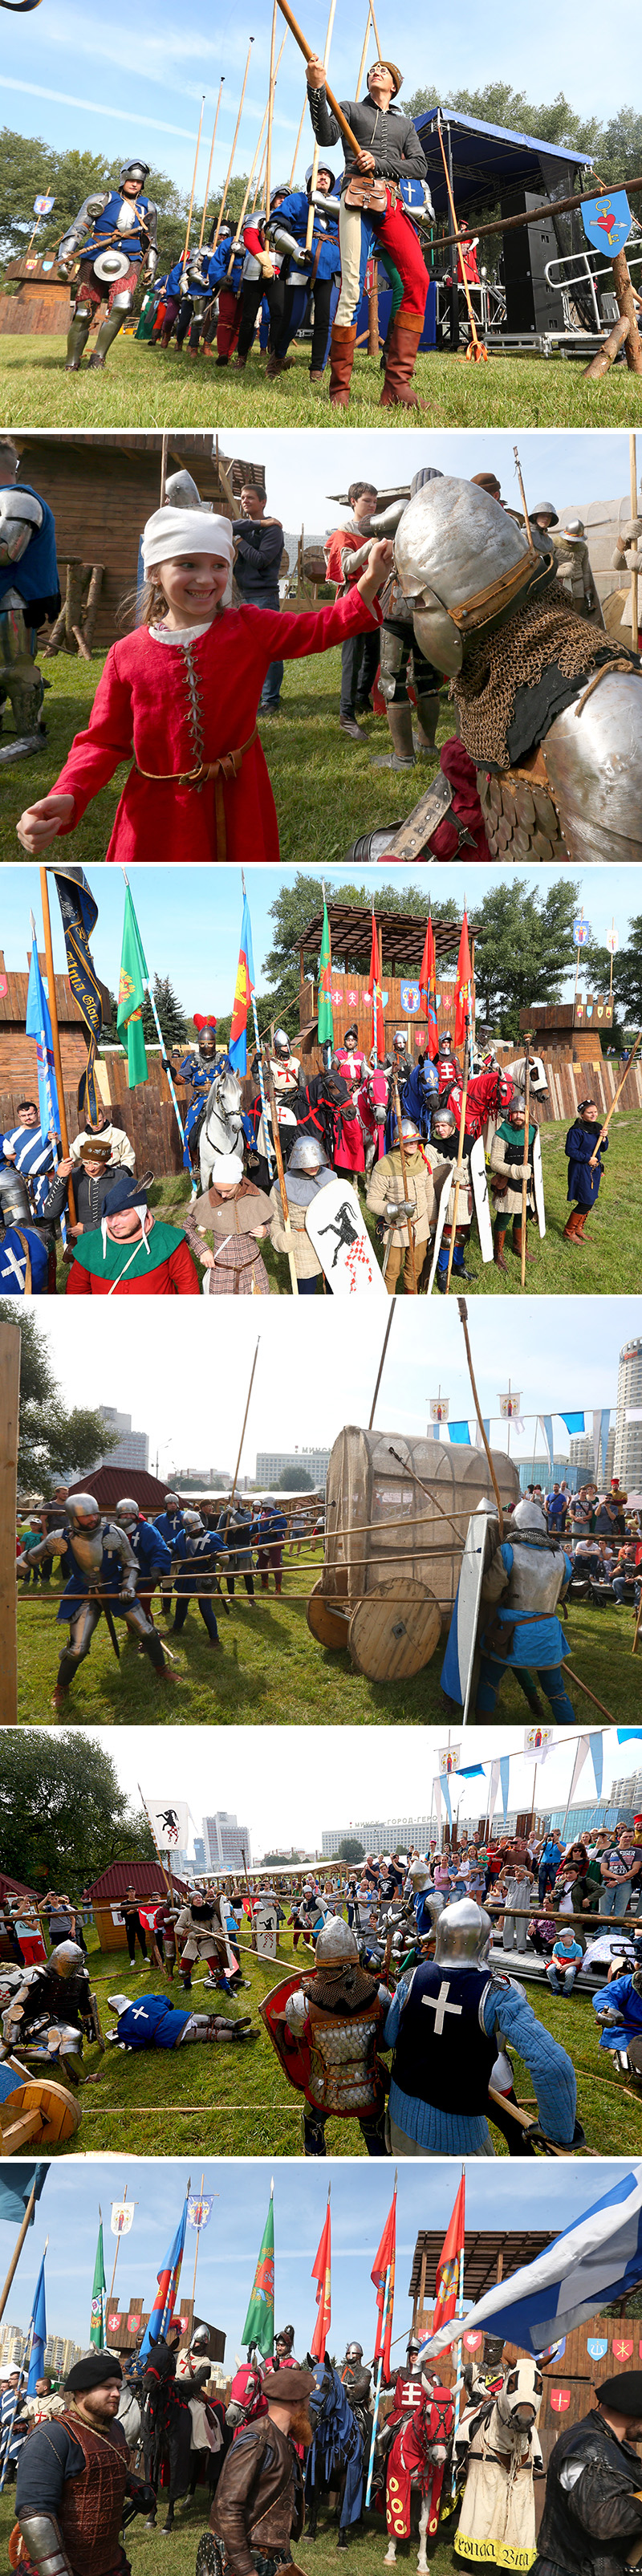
x=156 y=2022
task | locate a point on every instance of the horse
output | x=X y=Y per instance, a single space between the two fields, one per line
x=498 y=2448
x=417 y=2458
x=372 y=1102
x=172 y=2455
x=221 y=1127
x=336 y=2459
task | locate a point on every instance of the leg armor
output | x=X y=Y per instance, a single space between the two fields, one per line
x=146 y=1634
x=396 y=647
x=20 y=678
x=77 y=336
x=112 y=324
x=82 y=1629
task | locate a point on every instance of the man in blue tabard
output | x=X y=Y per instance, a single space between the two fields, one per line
x=154 y=2022
x=525 y=1582
x=195 y=1551
x=121 y=224
x=446 y=2025
x=101 y=1579
x=153 y=1556
x=310 y=276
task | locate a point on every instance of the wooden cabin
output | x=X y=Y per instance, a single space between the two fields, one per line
x=107 y=1892
x=102 y=486
x=401 y=944
x=17 y=1052
x=43 y=301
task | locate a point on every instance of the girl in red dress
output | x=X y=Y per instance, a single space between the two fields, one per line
x=182 y=693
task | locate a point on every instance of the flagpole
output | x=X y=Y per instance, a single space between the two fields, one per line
x=378 y=2388
x=165 y=1065
x=191 y=202
x=46 y=1076
x=460 y=2374
x=198 y=2239
x=460 y=1156
x=268 y=1149
x=113 y=2277
x=172 y=2282
x=236 y=128
x=55 y=1032
x=209 y=168
x=26 y=2357
x=15 y=2258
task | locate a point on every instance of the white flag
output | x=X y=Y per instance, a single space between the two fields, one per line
x=122 y=2217
x=537 y=1742
x=169 y=1820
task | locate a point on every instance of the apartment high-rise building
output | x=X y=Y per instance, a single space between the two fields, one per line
x=628 y=1424
x=226 y=1842
x=272 y=1464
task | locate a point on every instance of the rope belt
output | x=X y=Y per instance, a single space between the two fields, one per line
x=227 y=766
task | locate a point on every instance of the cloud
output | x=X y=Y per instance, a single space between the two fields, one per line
x=98 y=107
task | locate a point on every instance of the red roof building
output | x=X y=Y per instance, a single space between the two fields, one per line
x=110 y=1484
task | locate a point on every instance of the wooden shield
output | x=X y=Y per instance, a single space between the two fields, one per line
x=394 y=1630
x=325 y=1622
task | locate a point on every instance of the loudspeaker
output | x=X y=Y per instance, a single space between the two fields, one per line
x=531 y=304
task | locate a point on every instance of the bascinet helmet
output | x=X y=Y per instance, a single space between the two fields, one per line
x=84 y=1513
x=461 y=561
x=308 y=1155
x=171 y=1500
x=66 y=1959
x=336 y=1946
x=286 y=2337
x=192 y=1523
x=419 y=1876
x=350 y=1034
x=200 y=2340
x=444 y=1119
x=463 y=1935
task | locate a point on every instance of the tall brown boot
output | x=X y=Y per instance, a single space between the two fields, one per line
x=342 y=348
x=573 y=1227
x=400 y=363
x=499 y=1255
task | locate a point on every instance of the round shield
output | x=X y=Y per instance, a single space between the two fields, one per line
x=49 y=2114
x=395 y=1630
x=326 y=1623
x=111 y=264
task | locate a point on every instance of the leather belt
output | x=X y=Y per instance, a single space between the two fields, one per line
x=227 y=766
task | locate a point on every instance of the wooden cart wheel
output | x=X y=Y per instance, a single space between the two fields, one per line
x=326 y=1623
x=39 y=2111
x=394 y=1630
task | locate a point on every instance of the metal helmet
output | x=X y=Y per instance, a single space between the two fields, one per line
x=351 y=1032
x=444 y=1117
x=419 y=1876
x=529 y=1521
x=575 y=528
x=134 y=170
x=463 y=1935
x=337 y=1946
x=354 y=2352
x=413 y=2344
x=546 y=510
x=286 y=2337
x=192 y=1521
x=181 y=492
x=170 y=1499
x=517 y=1103
x=409 y=1130
x=127 y=1510
x=84 y=1512
x=15 y=1204
x=308 y=1155
x=400 y=1043
x=200 y=2340
x=66 y=1959
x=282 y=1043
x=206 y=1036
x=456 y=545
x=446 y=1043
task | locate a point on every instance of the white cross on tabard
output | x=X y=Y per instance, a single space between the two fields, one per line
x=440 y=2006
x=140 y=2014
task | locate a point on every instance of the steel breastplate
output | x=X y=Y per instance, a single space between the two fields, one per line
x=593 y=760
x=536 y=1581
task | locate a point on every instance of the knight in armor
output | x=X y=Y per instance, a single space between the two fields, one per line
x=29 y=596
x=419 y=1097
x=508 y=1172
x=445 y=1141
x=24 y=1251
x=524 y=1585
x=200 y=1928
x=284 y=2353
x=584 y=1174
x=73 y=2479
x=326 y=2028
x=593 y=2504
x=197 y=1069
x=258 y=2509
x=448 y=1069
x=532 y=680
x=122 y=226
x=389 y=152
x=443 y=2027
x=153 y=1556
x=101 y=1578
x=401 y=656
x=308 y=1172
x=29 y=1157
x=395 y=1213
x=310 y=278
x=571 y=556
x=50 y=2008
x=357 y=2381
x=195 y=1572
x=153 y=2021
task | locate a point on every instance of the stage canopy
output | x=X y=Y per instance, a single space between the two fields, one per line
x=401 y=938
x=488 y=161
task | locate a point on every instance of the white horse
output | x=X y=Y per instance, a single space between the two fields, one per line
x=222 y=1131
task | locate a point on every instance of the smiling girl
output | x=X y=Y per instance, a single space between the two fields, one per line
x=182 y=693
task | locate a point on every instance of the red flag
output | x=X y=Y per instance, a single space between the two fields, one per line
x=374 y=994
x=384 y=2262
x=428 y=988
x=449 y=2267
x=463 y=985
x=321 y=2274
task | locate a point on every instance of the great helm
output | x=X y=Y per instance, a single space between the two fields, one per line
x=84 y=1512
x=463 y=1935
x=461 y=561
x=308 y=1155
x=336 y=1946
x=66 y=1959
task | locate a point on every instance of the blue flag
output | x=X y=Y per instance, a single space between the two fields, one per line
x=39 y=2338
x=16 y=2186
x=459 y=1433
x=79 y=916
x=574 y=1421
x=168 y=2280
x=237 y=1049
x=38 y=1026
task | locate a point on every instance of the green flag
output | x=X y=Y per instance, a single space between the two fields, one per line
x=325 y=1022
x=259 y=2322
x=131 y=994
x=97 y=2327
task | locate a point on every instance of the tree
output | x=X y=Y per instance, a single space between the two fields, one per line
x=63 y=1815
x=27 y=163
x=51 y=1442
x=350 y=1849
x=295 y=1480
x=172 y=1019
x=525 y=949
x=296 y=905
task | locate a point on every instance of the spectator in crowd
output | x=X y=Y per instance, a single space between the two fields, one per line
x=565 y=1959
x=549 y=1861
x=616 y=1867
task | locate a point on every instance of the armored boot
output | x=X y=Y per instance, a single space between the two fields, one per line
x=342 y=349
x=517 y=1241
x=499 y=1256
x=77 y=338
x=108 y=332
x=400 y=729
x=427 y=720
x=400 y=363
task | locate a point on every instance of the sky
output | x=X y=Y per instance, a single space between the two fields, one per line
x=190 y=920
x=63 y=75
x=548 y=2195
x=287 y=1805
x=188 y=1391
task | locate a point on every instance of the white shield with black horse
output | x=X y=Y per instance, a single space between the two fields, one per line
x=335 y=1225
x=265 y=1922
x=222 y=1128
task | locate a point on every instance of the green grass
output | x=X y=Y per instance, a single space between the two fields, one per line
x=237 y=2100
x=142 y=389
x=272 y=1672
x=324 y=788
x=151 y=2554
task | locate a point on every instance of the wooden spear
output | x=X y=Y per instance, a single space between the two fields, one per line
x=463 y=1314
x=209 y=166
x=241 y=219
x=634 y=578
x=236 y=128
x=268 y=156
x=15 y=2258
x=376 y=34
x=479 y=349
x=386 y=1339
x=315 y=155
x=614 y=1102
x=527 y=1097
x=404 y=1176
x=362 y=64
x=295 y=154
x=276 y=1140
x=307 y=50
x=191 y=202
